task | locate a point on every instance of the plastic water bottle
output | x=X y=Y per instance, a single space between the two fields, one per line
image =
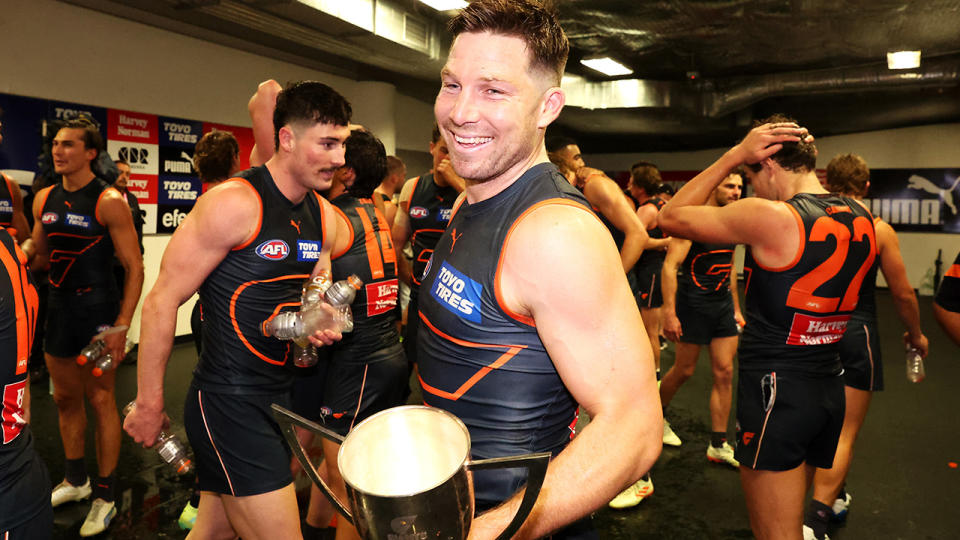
x=91 y=353
x=343 y=292
x=169 y=447
x=915 y=370
x=106 y=362
x=315 y=288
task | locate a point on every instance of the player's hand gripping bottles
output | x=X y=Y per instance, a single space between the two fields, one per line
x=96 y=353
x=169 y=447
x=324 y=306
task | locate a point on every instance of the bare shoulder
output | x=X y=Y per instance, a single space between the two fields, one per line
x=557 y=231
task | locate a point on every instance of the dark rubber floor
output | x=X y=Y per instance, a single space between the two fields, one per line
x=902 y=482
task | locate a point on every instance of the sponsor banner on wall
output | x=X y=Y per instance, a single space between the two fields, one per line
x=22 y=135
x=131 y=126
x=179 y=132
x=244 y=136
x=176 y=160
x=144 y=159
x=178 y=190
x=926 y=200
x=169 y=217
x=143 y=187
x=63 y=110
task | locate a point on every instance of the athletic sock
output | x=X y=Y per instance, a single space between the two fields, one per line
x=817 y=518
x=310 y=532
x=75 y=472
x=658 y=374
x=717 y=438
x=104 y=487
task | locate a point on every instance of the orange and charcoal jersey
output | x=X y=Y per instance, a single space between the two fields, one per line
x=948 y=295
x=81 y=250
x=6 y=201
x=479 y=360
x=430 y=208
x=797 y=314
x=22 y=476
x=369 y=255
x=704 y=275
x=255 y=281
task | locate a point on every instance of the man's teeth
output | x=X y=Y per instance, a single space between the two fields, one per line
x=472 y=140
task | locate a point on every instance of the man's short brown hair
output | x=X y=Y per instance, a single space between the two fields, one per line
x=214 y=155
x=848 y=174
x=799 y=156
x=646 y=176
x=92 y=138
x=537 y=26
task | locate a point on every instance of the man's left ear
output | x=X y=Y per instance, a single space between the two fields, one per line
x=552 y=104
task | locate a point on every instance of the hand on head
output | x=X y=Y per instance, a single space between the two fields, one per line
x=766 y=140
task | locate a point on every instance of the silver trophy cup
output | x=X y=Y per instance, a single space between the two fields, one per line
x=408 y=473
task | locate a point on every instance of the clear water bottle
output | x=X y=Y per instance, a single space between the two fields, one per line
x=315 y=288
x=106 y=362
x=92 y=352
x=169 y=447
x=915 y=370
x=343 y=292
x=305 y=356
x=298 y=325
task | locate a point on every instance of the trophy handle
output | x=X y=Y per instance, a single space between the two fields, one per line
x=287 y=421
x=536 y=465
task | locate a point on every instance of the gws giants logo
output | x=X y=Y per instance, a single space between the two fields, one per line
x=418 y=212
x=273 y=250
x=49 y=218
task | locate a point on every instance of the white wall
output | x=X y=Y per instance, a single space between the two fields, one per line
x=57 y=51
x=916 y=147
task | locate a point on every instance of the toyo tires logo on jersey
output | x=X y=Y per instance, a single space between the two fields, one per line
x=273 y=250
x=418 y=212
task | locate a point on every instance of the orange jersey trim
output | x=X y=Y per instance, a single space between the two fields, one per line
x=256 y=231
x=26 y=302
x=374 y=259
x=803 y=244
x=233 y=314
x=42 y=197
x=511 y=351
x=497 y=287
x=96 y=208
x=413 y=189
x=953 y=271
x=55 y=255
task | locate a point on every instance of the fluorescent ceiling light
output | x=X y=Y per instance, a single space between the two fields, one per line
x=903 y=59
x=445 y=5
x=607 y=66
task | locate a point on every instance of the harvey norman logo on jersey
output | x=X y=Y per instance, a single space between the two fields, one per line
x=809 y=330
x=457 y=292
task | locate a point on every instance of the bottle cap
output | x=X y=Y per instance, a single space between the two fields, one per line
x=81 y=360
x=355 y=281
x=97 y=372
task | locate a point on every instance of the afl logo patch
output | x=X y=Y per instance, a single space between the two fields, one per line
x=49 y=217
x=273 y=250
x=419 y=212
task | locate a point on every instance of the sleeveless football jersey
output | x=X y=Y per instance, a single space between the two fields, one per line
x=867 y=306
x=6 y=200
x=796 y=314
x=253 y=283
x=480 y=361
x=369 y=255
x=705 y=272
x=20 y=467
x=81 y=250
x=429 y=211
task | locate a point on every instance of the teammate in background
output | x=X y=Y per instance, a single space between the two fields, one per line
x=605 y=197
x=25 y=511
x=664 y=192
x=121 y=185
x=216 y=158
x=848 y=175
x=260 y=234
x=526 y=309
x=946 y=305
x=644 y=179
x=790 y=387
x=367 y=372
x=396 y=174
x=701 y=308
x=11 y=205
x=426 y=204
x=79 y=224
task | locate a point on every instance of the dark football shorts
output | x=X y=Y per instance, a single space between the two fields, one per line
x=648 y=285
x=786 y=418
x=70 y=326
x=702 y=321
x=306 y=397
x=238 y=446
x=860 y=356
x=355 y=391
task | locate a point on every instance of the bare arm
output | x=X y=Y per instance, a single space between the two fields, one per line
x=603 y=357
x=949 y=321
x=19 y=220
x=400 y=232
x=114 y=213
x=36 y=248
x=676 y=253
x=224 y=217
x=604 y=194
x=647 y=214
x=904 y=299
x=261 y=107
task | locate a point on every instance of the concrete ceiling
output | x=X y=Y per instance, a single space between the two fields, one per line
x=702 y=69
